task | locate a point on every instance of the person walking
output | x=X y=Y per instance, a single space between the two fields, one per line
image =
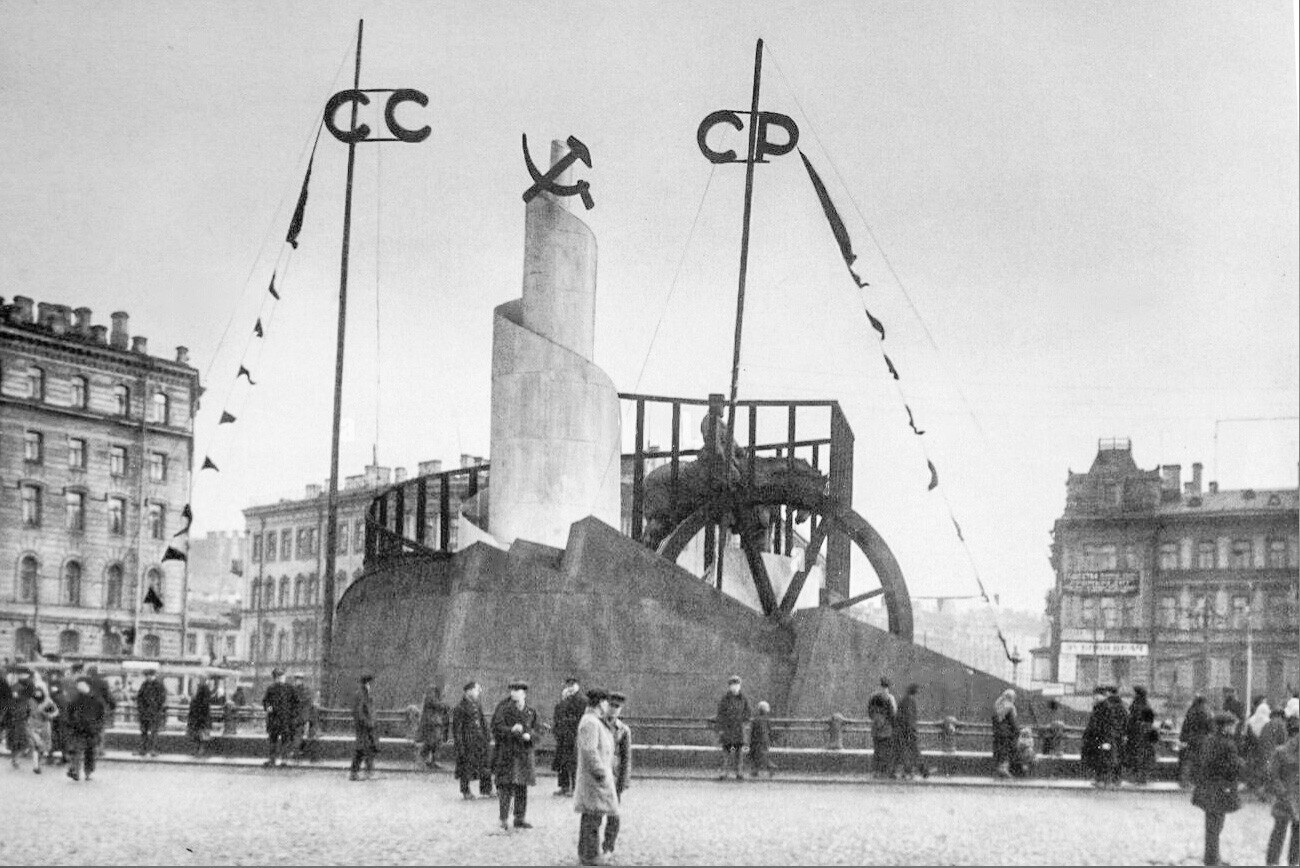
x=760 y=741
x=1140 y=738
x=594 y=793
x=472 y=740
x=198 y=721
x=882 y=709
x=1196 y=728
x=104 y=693
x=41 y=711
x=151 y=709
x=564 y=724
x=281 y=712
x=1217 y=776
x=733 y=714
x=86 y=718
x=15 y=722
x=906 y=738
x=301 y=706
x=1006 y=730
x=1284 y=781
x=514 y=727
x=431 y=731
x=363 y=719
x=622 y=766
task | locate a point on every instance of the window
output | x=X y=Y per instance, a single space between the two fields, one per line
x=297 y=591
x=268 y=595
x=151 y=646
x=191 y=643
x=1276 y=552
x=1169 y=556
x=284 y=592
x=282 y=645
x=1167 y=610
x=1241 y=554
x=72 y=583
x=157 y=467
x=286 y=545
x=255 y=593
x=156 y=514
x=1099 y=557
x=268 y=640
x=1110 y=612
x=230 y=646
x=76 y=454
x=161 y=408
x=1132 y=560
x=359 y=535
x=117 y=460
x=341 y=544
x=113 y=587
x=257 y=548
x=112 y=644
x=75 y=510
x=121 y=400
x=1200 y=674
x=36 y=384
x=154 y=580
x=69 y=642
x=31 y=497
x=80 y=392
x=117 y=516
x=1240 y=611
x=1087 y=674
x=34 y=447
x=1111 y=494
x=270 y=546
x=1131 y=615
x=27 y=575
x=1205 y=551
x=24 y=643
x=1088 y=613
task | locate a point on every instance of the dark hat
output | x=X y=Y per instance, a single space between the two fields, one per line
x=1222 y=717
x=735 y=679
x=367 y=678
x=595 y=696
x=616 y=698
x=884 y=682
x=518 y=685
x=300 y=676
x=469 y=685
x=276 y=673
x=570 y=680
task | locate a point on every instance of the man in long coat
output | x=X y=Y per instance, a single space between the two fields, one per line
x=1114 y=723
x=473 y=740
x=281 y=713
x=514 y=727
x=363 y=719
x=622 y=765
x=301 y=706
x=1196 y=727
x=1218 y=774
x=733 y=714
x=198 y=720
x=595 y=796
x=564 y=723
x=151 y=707
x=431 y=731
x=882 y=709
x=86 y=718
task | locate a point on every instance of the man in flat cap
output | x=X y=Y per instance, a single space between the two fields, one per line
x=280 y=705
x=473 y=740
x=1218 y=774
x=86 y=717
x=151 y=708
x=622 y=764
x=733 y=714
x=363 y=719
x=514 y=727
x=564 y=723
x=594 y=794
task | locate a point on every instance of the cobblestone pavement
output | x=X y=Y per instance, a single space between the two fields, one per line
x=139 y=813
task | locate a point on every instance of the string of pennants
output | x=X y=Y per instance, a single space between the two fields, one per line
x=845 y=244
x=179 y=550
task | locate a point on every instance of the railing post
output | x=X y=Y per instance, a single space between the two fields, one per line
x=835 y=732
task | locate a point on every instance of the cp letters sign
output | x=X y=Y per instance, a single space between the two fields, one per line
x=1102 y=583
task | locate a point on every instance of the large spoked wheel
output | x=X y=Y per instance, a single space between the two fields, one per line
x=829 y=520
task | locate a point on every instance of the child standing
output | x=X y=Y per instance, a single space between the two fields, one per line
x=1025 y=757
x=760 y=741
x=41 y=710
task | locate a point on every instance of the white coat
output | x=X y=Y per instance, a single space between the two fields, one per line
x=593 y=792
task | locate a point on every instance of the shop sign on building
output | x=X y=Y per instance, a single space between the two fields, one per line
x=1102 y=583
x=1104 y=649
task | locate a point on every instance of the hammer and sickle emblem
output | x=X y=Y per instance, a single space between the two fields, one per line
x=762 y=146
x=577 y=151
x=361 y=132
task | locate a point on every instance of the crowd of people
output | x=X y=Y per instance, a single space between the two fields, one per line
x=61 y=721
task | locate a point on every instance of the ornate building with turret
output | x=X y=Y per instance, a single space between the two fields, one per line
x=1167 y=584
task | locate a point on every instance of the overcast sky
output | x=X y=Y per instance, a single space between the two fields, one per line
x=1079 y=221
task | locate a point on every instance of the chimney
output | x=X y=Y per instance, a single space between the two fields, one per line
x=183 y=355
x=60 y=316
x=140 y=345
x=83 y=321
x=43 y=314
x=466 y=460
x=99 y=334
x=1196 y=477
x=313 y=491
x=22 y=310
x=427 y=468
x=399 y=475
x=117 y=339
x=1214 y=487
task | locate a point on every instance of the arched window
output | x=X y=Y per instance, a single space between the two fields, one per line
x=79 y=390
x=69 y=642
x=36 y=384
x=297 y=640
x=255 y=594
x=154 y=579
x=282 y=645
x=121 y=400
x=72 y=583
x=268 y=596
x=151 y=646
x=284 y=592
x=28 y=571
x=112 y=643
x=113 y=587
x=24 y=643
x=161 y=408
x=298 y=591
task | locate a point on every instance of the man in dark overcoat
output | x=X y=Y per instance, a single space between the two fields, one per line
x=86 y=718
x=198 y=720
x=151 y=708
x=564 y=723
x=882 y=709
x=99 y=687
x=1196 y=727
x=301 y=707
x=281 y=707
x=432 y=729
x=473 y=742
x=733 y=714
x=1114 y=729
x=1218 y=774
x=1140 y=738
x=363 y=720
x=514 y=727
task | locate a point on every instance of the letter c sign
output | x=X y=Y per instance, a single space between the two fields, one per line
x=361 y=133
x=762 y=146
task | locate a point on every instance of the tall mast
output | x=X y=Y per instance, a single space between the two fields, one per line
x=332 y=511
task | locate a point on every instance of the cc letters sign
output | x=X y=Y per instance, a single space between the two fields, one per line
x=1102 y=583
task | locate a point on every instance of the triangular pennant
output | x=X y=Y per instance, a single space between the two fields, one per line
x=934 y=476
x=209 y=464
x=275 y=295
x=892 y=370
x=295 y=224
x=226 y=418
x=875 y=323
x=910 y=421
x=243 y=372
x=257 y=327
x=189 y=519
x=153 y=598
x=833 y=217
x=174 y=554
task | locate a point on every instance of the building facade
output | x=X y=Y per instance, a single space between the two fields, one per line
x=96 y=450
x=1181 y=590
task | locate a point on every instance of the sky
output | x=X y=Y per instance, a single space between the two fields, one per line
x=1078 y=221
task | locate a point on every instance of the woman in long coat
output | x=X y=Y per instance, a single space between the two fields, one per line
x=594 y=794
x=198 y=723
x=1217 y=776
x=1006 y=729
x=1140 y=740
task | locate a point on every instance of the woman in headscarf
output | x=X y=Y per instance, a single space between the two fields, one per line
x=1217 y=774
x=1257 y=758
x=1006 y=729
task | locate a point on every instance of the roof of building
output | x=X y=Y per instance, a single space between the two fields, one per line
x=1236 y=500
